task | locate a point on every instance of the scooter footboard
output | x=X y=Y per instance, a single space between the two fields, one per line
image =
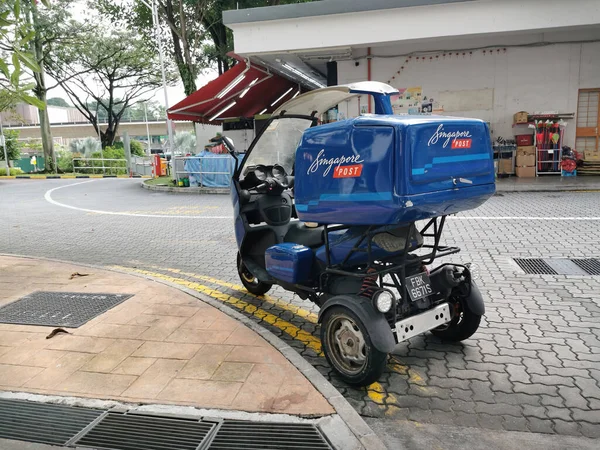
x=420 y=323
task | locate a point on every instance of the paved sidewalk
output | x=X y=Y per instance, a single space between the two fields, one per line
x=548 y=183
x=160 y=346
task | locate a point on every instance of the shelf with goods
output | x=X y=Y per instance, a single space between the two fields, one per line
x=544 y=133
x=548 y=141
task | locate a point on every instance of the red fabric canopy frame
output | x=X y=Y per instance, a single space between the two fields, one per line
x=205 y=105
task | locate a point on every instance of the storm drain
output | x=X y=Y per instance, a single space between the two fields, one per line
x=535 y=266
x=120 y=431
x=128 y=430
x=559 y=266
x=43 y=422
x=59 y=309
x=591 y=266
x=233 y=434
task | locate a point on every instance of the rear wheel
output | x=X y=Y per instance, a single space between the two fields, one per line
x=348 y=347
x=250 y=282
x=462 y=326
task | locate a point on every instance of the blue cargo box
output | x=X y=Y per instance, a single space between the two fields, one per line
x=392 y=169
x=289 y=262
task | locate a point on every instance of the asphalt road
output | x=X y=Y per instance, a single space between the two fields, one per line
x=533 y=366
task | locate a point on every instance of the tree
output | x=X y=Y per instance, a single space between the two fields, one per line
x=196 y=35
x=52 y=26
x=15 y=37
x=58 y=101
x=13 y=147
x=112 y=71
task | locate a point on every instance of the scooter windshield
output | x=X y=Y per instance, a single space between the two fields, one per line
x=278 y=143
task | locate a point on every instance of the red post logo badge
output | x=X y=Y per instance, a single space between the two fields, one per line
x=347 y=171
x=461 y=143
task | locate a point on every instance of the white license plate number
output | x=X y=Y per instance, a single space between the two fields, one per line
x=419 y=286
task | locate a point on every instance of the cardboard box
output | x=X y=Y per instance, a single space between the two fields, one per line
x=525 y=160
x=525 y=151
x=505 y=166
x=525 y=172
x=591 y=155
x=520 y=117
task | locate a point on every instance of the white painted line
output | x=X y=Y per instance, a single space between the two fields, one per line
x=520 y=218
x=49 y=199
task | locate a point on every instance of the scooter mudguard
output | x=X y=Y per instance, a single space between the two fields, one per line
x=379 y=330
x=475 y=300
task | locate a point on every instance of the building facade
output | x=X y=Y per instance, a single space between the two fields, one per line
x=472 y=58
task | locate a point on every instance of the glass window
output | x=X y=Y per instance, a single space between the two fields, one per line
x=278 y=143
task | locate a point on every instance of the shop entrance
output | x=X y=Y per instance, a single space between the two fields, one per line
x=588 y=124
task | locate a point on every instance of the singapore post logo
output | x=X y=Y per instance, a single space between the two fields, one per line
x=345 y=166
x=460 y=139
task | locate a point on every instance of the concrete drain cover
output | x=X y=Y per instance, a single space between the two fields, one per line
x=59 y=309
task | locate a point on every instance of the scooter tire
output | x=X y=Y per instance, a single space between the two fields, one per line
x=250 y=282
x=375 y=360
x=460 y=328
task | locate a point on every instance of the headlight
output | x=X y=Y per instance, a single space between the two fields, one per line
x=473 y=270
x=383 y=300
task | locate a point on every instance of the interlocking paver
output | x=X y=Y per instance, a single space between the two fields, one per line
x=539 y=333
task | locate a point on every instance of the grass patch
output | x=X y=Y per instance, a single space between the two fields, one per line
x=160 y=180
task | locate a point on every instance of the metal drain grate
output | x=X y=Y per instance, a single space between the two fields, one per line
x=234 y=434
x=42 y=422
x=59 y=309
x=120 y=431
x=535 y=266
x=591 y=266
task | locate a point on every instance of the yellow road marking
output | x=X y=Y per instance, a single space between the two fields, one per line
x=310 y=316
x=306 y=338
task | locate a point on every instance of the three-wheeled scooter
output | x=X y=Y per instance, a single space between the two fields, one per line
x=350 y=215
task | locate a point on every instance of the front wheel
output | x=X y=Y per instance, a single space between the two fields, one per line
x=250 y=282
x=348 y=347
x=462 y=326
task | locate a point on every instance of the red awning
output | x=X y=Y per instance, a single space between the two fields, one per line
x=243 y=91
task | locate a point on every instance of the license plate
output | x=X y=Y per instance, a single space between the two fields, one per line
x=418 y=286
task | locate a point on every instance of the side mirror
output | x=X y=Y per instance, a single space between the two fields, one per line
x=228 y=143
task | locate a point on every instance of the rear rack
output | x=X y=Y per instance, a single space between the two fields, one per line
x=396 y=265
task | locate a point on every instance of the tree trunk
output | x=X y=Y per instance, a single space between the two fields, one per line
x=40 y=92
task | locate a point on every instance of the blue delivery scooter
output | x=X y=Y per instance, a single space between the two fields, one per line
x=350 y=215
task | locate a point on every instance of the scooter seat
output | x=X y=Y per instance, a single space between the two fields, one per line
x=298 y=233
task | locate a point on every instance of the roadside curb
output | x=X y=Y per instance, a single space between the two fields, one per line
x=66 y=177
x=348 y=415
x=188 y=190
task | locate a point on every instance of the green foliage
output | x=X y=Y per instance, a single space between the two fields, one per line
x=13 y=146
x=85 y=146
x=16 y=35
x=13 y=171
x=58 y=101
x=185 y=142
x=197 y=39
x=137 y=148
x=64 y=160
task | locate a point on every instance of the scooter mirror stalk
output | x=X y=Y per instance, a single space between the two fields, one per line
x=228 y=143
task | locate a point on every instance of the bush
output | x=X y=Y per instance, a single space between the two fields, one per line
x=13 y=146
x=64 y=161
x=137 y=148
x=13 y=171
x=85 y=146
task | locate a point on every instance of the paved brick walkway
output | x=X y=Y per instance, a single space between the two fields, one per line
x=532 y=366
x=160 y=346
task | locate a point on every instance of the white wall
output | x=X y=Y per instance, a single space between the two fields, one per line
x=469 y=19
x=522 y=78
